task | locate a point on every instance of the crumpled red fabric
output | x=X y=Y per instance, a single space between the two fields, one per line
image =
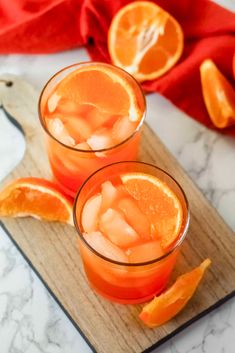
x=47 y=26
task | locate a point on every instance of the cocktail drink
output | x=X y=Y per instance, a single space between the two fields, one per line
x=131 y=219
x=92 y=114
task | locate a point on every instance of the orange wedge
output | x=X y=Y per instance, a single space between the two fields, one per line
x=158 y=202
x=35 y=197
x=145 y=40
x=218 y=94
x=163 y=308
x=110 y=90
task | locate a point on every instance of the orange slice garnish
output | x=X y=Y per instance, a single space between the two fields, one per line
x=145 y=40
x=164 y=307
x=108 y=89
x=35 y=197
x=158 y=202
x=218 y=94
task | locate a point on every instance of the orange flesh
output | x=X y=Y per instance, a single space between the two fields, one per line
x=35 y=197
x=154 y=39
x=158 y=207
x=218 y=94
x=164 y=307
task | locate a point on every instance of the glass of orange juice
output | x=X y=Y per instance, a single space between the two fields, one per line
x=92 y=114
x=131 y=219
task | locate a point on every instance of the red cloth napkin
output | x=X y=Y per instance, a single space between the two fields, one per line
x=46 y=26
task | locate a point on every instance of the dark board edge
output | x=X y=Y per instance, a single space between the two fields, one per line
x=13 y=120
x=47 y=287
x=152 y=347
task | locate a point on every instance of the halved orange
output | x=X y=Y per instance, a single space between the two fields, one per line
x=109 y=89
x=158 y=202
x=218 y=94
x=35 y=197
x=145 y=40
x=164 y=307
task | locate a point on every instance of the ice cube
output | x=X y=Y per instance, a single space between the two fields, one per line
x=54 y=115
x=104 y=246
x=78 y=128
x=114 y=226
x=90 y=213
x=96 y=117
x=55 y=126
x=52 y=102
x=58 y=130
x=135 y=217
x=122 y=129
x=111 y=120
x=101 y=139
x=83 y=146
x=109 y=194
x=145 y=252
x=66 y=106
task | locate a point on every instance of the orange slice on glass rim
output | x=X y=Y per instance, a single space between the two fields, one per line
x=164 y=307
x=218 y=94
x=35 y=197
x=145 y=40
x=98 y=85
x=158 y=202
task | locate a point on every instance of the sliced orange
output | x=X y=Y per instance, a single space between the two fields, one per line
x=109 y=89
x=35 y=197
x=145 y=40
x=158 y=202
x=218 y=94
x=164 y=307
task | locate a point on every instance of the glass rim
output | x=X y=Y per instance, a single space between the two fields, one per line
x=103 y=149
x=137 y=264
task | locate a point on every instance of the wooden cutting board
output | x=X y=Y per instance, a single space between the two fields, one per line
x=51 y=249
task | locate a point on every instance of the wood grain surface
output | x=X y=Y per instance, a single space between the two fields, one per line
x=52 y=248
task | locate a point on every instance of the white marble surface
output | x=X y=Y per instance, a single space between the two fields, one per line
x=30 y=320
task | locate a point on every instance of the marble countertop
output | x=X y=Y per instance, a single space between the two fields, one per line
x=208 y=158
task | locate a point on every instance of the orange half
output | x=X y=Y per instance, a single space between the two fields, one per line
x=164 y=307
x=159 y=203
x=218 y=94
x=145 y=40
x=35 y=197
x=104 y=87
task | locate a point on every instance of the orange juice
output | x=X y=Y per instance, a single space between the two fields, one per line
x=131 y=219
x=92 y=114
